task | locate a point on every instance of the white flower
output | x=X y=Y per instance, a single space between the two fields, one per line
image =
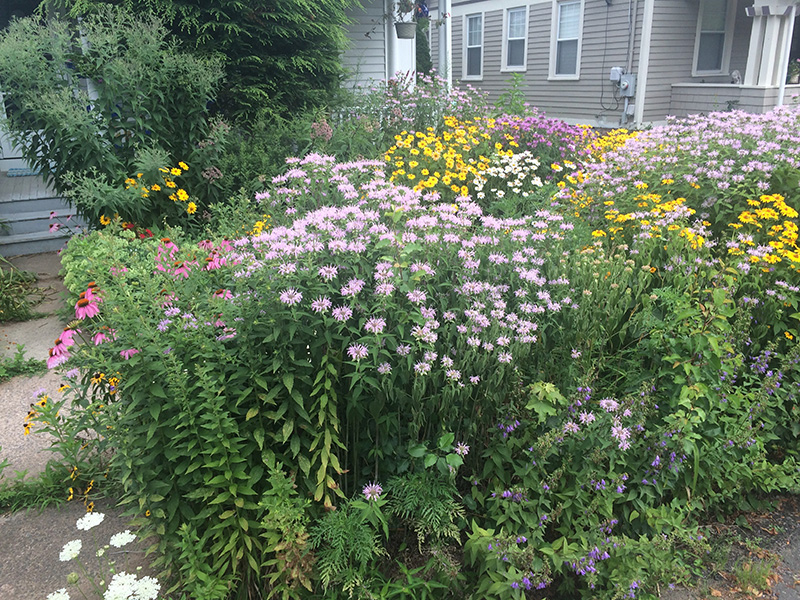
x=89 y=520
x=61 y=594
x=100 y=552
x=121 y=587
x=148 y=588
x=118 y=540
x=70 y=550
x=125 y=586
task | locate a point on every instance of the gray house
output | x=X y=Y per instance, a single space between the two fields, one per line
x=612 y=62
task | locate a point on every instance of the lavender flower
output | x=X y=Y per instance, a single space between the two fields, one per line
x=372 y=491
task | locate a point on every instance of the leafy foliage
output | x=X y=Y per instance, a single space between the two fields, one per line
x=280 y=56
x=95 y=97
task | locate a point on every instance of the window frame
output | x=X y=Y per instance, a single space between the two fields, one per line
x=465 y=35
x=554 y=41
x=504 y=66
x=727 y=43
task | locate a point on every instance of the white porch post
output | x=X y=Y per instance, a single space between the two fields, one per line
x=401 y=55
x=767 y=58
x=391 y=39
x=445 y=42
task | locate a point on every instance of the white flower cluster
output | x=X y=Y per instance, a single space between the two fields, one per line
x=516 y=172
x=89 y=520
x=125 y=586
x=70 y=550
x=61 y=594
x=118 y=540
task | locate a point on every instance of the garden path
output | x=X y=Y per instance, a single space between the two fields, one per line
x=31 y=540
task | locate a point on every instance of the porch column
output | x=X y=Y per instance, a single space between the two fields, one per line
x=766 y=58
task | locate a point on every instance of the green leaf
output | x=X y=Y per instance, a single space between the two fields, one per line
x=251 y=413
x=430 y=460
x=417 y=451
x=288 y=381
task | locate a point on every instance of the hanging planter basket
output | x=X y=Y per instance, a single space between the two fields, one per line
x=405 y=30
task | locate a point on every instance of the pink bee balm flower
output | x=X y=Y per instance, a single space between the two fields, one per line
x=372 y=491
x=126 y=354
x=86 y=309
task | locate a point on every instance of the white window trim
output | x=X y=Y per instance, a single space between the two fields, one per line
x=552 y=76
x=730 y=20
x=465 y=38
x=505 y=68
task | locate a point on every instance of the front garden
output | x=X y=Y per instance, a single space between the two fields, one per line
x=442 y=353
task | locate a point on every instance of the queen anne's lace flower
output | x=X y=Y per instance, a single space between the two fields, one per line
x=70 y=550
x=89 y=520
x=61 y=594
x=123 y=538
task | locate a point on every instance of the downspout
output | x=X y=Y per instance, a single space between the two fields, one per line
x=632 y=36
x=644 y=62
x=785 y=55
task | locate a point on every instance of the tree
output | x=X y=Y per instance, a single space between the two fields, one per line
x=280 y=56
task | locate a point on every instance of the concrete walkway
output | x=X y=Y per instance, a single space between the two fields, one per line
x=31 y=540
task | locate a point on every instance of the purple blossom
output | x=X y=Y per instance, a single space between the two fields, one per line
x=291 y=296
x=357 y=351
x=375 y=325
x=372 y=491
x=342 y=313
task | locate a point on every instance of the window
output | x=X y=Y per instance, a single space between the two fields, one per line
x=714 y=30
x=516 y=34
x=473 y=47
x=565 y=41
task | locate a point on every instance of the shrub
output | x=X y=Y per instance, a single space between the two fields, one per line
x=89 y=110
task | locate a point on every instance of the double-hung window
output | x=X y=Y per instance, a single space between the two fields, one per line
x=515 y=39
x=714 y=32
x=473 y=46
x=565 y=58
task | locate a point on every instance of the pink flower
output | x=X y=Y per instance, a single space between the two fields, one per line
x=57 y=359
x=126 y=354
x=85 y=308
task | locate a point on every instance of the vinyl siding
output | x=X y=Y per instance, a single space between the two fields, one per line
x=604 y=45
x=672 y=56
x=365 y=60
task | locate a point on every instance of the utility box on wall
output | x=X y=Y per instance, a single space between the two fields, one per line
x=627 y=85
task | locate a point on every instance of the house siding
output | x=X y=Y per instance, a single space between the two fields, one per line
x=604 y=45
x=365 y=59
x=672 y=57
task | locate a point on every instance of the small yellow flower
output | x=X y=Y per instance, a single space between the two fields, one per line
x=182 y=195
x=104 y=220
x=598 y=233
x=175 y=172
x=191 y=208
x=788 y=335
x=156 y=188
x=170 y=184
x=183 y=166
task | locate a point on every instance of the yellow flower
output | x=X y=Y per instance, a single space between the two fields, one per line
x=183 y=166
x=182 y=195
x=191 y=208
x=156 y=187
x=104 y=220
x=598 y=233
x=174 y=171
x=788 y=335
x=170 y=184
